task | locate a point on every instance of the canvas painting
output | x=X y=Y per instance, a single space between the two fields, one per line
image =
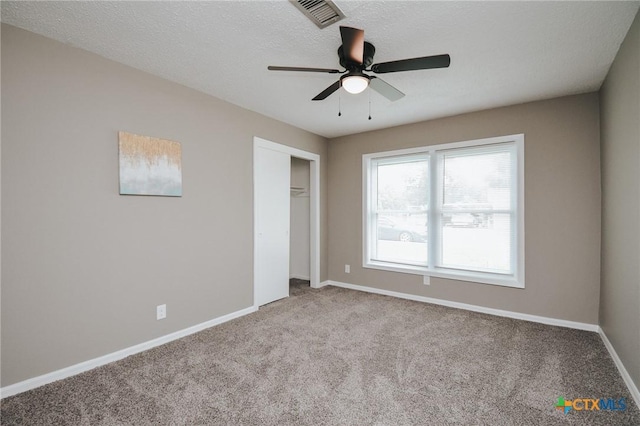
x=149 y=166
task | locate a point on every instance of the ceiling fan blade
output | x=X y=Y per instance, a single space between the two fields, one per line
x=352 y=44
x=328 y=91
x=424 y=63
x=327 y=70
x=385 y=89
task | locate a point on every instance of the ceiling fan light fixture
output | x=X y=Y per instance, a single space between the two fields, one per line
x=355 y=83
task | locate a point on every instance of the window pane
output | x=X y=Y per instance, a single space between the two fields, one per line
x=476 y=214
x=477 y=180
x=403 y=185
x=401 y=219
x=481 y=248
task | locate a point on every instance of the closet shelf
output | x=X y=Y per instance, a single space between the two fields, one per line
x=298 y=191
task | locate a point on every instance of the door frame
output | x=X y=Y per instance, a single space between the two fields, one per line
x=314 y=210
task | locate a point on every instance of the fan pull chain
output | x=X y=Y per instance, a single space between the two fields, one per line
x=339 y=105
x=369 y=104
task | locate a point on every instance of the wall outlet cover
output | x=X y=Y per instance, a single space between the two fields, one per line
x=161 y=312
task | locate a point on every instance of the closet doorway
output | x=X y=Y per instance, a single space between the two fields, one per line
x=300 y=225
x=272 y=219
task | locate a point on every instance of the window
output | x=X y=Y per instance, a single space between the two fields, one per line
x=453 y=210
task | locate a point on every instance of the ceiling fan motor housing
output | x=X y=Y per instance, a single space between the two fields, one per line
x=367 y=58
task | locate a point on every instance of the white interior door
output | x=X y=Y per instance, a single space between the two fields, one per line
x=272 y=186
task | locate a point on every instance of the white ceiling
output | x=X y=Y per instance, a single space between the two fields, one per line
x=502 y=53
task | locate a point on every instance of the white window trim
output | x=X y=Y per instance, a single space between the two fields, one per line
x=516 y=280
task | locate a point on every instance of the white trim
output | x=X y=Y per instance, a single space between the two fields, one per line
x=473 y=308
x=366 y=209
x=314 y=208
x=633 y=389
x=314 y=218
x=520 y=255
x=63 y=373
x=324 y=284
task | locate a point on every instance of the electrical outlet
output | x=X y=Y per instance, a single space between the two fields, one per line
x=161 y=312
x=426 y=280
x=347 y=269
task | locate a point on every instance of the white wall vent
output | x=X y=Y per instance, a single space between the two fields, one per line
x=322 y=12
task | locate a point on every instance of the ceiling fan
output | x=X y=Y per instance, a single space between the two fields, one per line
x=356 y=55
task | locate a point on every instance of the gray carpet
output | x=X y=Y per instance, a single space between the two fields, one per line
x=334 y=356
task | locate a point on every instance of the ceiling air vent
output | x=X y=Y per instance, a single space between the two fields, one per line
x=322 y=12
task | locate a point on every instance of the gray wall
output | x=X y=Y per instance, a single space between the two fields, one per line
x=562 y=206
x=620 y=127
x=83 y=268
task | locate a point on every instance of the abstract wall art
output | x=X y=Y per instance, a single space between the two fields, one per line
x=149 y=166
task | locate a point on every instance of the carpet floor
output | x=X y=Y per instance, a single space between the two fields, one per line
x=334 y=356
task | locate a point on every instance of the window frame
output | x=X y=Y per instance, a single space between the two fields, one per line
x=515 y=279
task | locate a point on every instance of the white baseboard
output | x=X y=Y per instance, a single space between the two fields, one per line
x=324 y=284
x=633 y=389
x=474 y=308
x=115 y=356
x=300 y=277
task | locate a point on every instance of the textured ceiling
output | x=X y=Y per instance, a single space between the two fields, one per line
x=502 y=53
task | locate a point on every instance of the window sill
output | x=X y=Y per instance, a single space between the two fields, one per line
x=469 y=276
